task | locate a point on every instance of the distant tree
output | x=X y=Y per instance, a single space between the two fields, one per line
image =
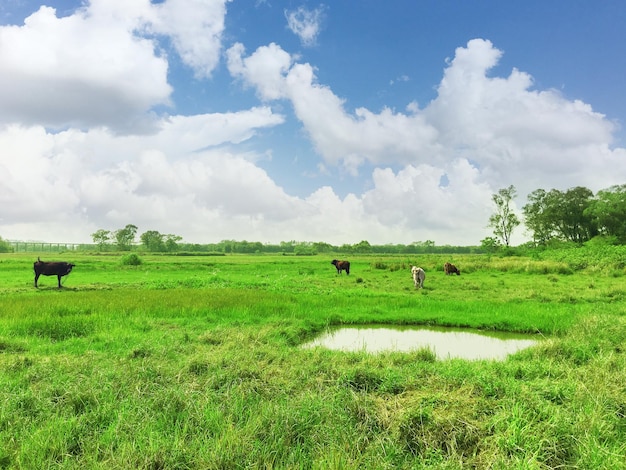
x=288 y=247
x=573 y=220
x=304 y=248
x=570 y=215
x=5 y=247
x=346 y=248
x=101 y=238
x=125 y=237
x=539 y=215
x=608 y=211
x=171 y=242
x=427 y=246
x=321 y=247
x=504 y=220
x=152 y=240
x=362 y=247
x=490 y=244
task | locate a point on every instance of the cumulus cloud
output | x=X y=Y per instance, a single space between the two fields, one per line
x=501 y=125
x=196 y=28
x=305 y=23
x=508 y=129
x=340 y=137
x=182 y=180
x=47 y=76
x=264 y=69
x=104 y=54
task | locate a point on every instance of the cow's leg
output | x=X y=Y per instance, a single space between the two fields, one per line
x=59 y=280
x=36 y=278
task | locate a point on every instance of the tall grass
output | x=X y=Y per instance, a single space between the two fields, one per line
x=189 y=362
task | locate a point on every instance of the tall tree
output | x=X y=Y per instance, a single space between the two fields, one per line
x=573 y=219
x=539 y=215
x=608 y=211
x=125 y=237
x=504 y=220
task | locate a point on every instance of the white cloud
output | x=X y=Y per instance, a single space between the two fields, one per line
x=196 y=28
x=50 y=67
x=305 y=23
x=107 y=179
x=508 y=130
x=103 y=54
x=341 y=138
x=503 y=126
x=264 y=69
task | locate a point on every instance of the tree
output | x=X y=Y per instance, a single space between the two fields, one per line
x=572 y=217
x=125 y=237
x=322 y=247
x=101 y=238
x=565 y=215
x=362 y=247
x=490 y=244
x=504 y=220
x=608 y=211
x=537 y=216
x=5 y=247
x=152 y=240
x=171 y=242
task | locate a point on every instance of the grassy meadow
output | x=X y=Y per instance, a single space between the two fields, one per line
x=194 y=362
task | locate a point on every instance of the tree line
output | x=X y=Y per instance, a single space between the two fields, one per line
x=576 y=215
x=124 y=240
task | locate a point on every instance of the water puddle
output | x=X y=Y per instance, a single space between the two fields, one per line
x=445 y=343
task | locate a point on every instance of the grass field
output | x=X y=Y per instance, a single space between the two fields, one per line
x=188 y=362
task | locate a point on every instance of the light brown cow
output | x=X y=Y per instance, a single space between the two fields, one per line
x=418 y=277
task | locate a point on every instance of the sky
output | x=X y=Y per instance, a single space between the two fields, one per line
x=276 y=120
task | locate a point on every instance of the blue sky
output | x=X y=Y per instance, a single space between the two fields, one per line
x=390 y=122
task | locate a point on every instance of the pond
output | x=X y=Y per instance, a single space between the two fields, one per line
x=445 y=343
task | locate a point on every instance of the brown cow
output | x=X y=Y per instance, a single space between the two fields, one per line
x=52 y=268
x=449 y=268
x=341 y=265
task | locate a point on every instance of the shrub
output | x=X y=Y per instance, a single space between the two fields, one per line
x=131 y=259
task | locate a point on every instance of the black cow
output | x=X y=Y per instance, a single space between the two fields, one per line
x=341 y=265
x=52 y=268
x=449 y=269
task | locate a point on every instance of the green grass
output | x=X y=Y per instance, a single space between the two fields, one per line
x=194 y=362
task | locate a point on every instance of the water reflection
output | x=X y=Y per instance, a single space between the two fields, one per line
x=445 y=343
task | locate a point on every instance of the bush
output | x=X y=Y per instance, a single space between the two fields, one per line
x=131 y=259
